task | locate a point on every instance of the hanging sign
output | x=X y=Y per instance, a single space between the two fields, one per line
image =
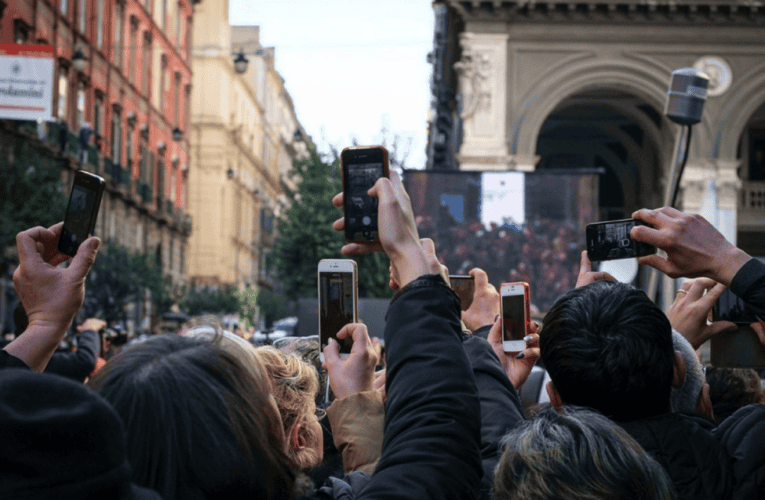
x=26 y=82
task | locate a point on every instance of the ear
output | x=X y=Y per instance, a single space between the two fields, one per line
x=678 y=377
x=297 y=439
x=555 y=399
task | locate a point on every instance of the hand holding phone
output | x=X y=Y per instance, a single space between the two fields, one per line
x=338 y=301
x=82 y=211
x=516 y=314
x=361 y=167
x=610 y=240
x=464 y=287
x=356 y=372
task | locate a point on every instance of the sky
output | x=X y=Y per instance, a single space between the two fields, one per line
x=352 y=67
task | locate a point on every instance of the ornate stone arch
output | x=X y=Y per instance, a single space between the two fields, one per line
x=745 y=96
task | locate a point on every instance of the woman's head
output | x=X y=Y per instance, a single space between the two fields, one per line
x=294 y=386
x=201 y=422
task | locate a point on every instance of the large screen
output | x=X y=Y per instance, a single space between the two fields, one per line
x=515 y=226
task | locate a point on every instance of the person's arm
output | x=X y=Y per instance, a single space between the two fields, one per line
x=358 y=423
x=51 y=296
x=77 y=365
x=749 y=285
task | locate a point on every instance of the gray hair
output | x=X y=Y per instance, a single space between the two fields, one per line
x=577 y=454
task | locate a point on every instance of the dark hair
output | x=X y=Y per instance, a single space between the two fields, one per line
x=197 y=421
x=577 y=454
x=607 y=346
x=731 y=389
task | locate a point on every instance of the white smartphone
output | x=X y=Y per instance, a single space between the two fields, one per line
x=338 y=301
x=516 y=312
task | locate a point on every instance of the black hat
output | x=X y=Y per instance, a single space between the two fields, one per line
x=59 y=439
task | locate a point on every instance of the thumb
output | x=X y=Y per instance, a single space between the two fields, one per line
x=331 y=353
x=495 y=334
x=85 y=258
x=722 y=326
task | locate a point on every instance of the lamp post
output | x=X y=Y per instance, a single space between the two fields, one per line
x=79 y=60
x=240 y=63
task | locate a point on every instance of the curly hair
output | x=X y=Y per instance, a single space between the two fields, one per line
x=295 y=387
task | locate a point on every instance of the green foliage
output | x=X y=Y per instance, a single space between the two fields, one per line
x=120 y=277
x=306 y=236
x=274 y=304
x=202 y=299
x=31 y=190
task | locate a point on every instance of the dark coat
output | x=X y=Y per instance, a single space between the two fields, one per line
x=432 y=425
x=741 y=435
x=696 y=462
x=77 y=365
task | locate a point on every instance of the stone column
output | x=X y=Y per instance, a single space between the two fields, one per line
x=483 y=98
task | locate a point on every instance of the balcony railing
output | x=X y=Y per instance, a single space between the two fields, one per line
x=144 y=191
x=751 y=213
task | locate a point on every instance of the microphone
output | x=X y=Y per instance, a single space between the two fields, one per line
x=686 y=95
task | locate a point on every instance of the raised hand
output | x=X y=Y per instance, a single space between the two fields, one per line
x=485 y=307
x=689 y=312
x=355 y=373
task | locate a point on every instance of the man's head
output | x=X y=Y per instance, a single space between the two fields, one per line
x=608 y=347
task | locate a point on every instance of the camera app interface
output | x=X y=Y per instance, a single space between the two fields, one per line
x=613 y=241
x=361 y=208
x=336 y=306
x=77 y=224
x=512 y=317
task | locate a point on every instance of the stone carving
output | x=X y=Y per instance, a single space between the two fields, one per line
x=474 y=70
x=719 y=73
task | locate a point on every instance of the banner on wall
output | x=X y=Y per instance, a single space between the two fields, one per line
x=26 y=82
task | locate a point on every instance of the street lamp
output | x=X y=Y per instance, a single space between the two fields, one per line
x=230 y=173
x=298 y=135
x=177 y=134
x=79 y=60
x=240 y=63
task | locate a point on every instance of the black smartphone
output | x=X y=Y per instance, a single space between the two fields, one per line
x=610 y=240
x=361 y=167
x=730 y=307
x=338 y=301
x=464 y=287
x=82 y=211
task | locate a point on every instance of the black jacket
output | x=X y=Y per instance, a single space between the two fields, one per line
x=77 y=365
x=749 y=285
x=684 y=445
x=741 y=435
x=432 y=425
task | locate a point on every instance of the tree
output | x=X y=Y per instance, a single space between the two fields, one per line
x=306 y=236
x=202 y=299
x=30 y=187
x=120 y=277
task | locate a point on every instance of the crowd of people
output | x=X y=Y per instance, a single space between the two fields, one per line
x=544 y=252
x=207 y=415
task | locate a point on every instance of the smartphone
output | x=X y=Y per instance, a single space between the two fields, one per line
x=729 y=307
x=361 y=167
x=610 y=240
x=338 y=301
x=516 y=314
x=464 y=287
x=82 y=211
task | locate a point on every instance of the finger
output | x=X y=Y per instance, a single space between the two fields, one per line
x=360 y=336
x=399 y=189
x=337 y=200
x=331 y=354
x=358 y=248
x=533 y=328
x=347 y=330
x=720 y=327
x=26 y=246
x=530 y=356
x=759 y=329
x=495 y=334
x=713 y=294
x=533 y=340
x=585 y=266
x=480 y=278
x=86 y=256
x=698 y=287
x=657 y=262
x=339 y=224
x=602 y=276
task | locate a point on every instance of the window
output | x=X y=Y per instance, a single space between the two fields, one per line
x=80 y=119
x=133 y=42
x=100 y=24
x=178 y=25
x=98 y=115
x=64 y=7
x=82 y=15
x=164 y=16
x=177 y=100
x=187 y=37
x=146 y=64
x=129 y=146
x=118 y=15
x=116 y=136
x=173 y=180
x=163 y=84
x=20 y=31
x=187 y=109
x=63 y=85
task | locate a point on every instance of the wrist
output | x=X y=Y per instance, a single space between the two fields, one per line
x=729 y=263
x=410 y=263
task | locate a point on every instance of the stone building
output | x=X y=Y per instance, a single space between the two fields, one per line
x=529 y=86
x=245 y=137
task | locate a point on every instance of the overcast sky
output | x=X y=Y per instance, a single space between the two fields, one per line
x=351 y=66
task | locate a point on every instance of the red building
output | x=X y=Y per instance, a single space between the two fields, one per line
x=122 y=67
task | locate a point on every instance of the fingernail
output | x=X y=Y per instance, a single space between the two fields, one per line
x=527 y=338
x=520 y=356
x=496 y=318
x=94 y=244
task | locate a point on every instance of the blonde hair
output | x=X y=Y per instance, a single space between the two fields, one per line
x=295 y=384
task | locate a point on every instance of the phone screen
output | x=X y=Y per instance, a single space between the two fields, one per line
x=361 y=169
x=611 y=240
x=80 y=217
x=336 y=307
x=464 y=287
x=513 y=320
x=730 y=307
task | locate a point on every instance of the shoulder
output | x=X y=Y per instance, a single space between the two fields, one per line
x=334 y=488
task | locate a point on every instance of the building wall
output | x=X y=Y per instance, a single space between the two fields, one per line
x=242 y=149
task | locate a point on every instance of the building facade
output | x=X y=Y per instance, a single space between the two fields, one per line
x=539 y=85
x=245 y=137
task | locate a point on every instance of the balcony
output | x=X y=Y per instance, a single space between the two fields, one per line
x=144 y=192
x=751 y=210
